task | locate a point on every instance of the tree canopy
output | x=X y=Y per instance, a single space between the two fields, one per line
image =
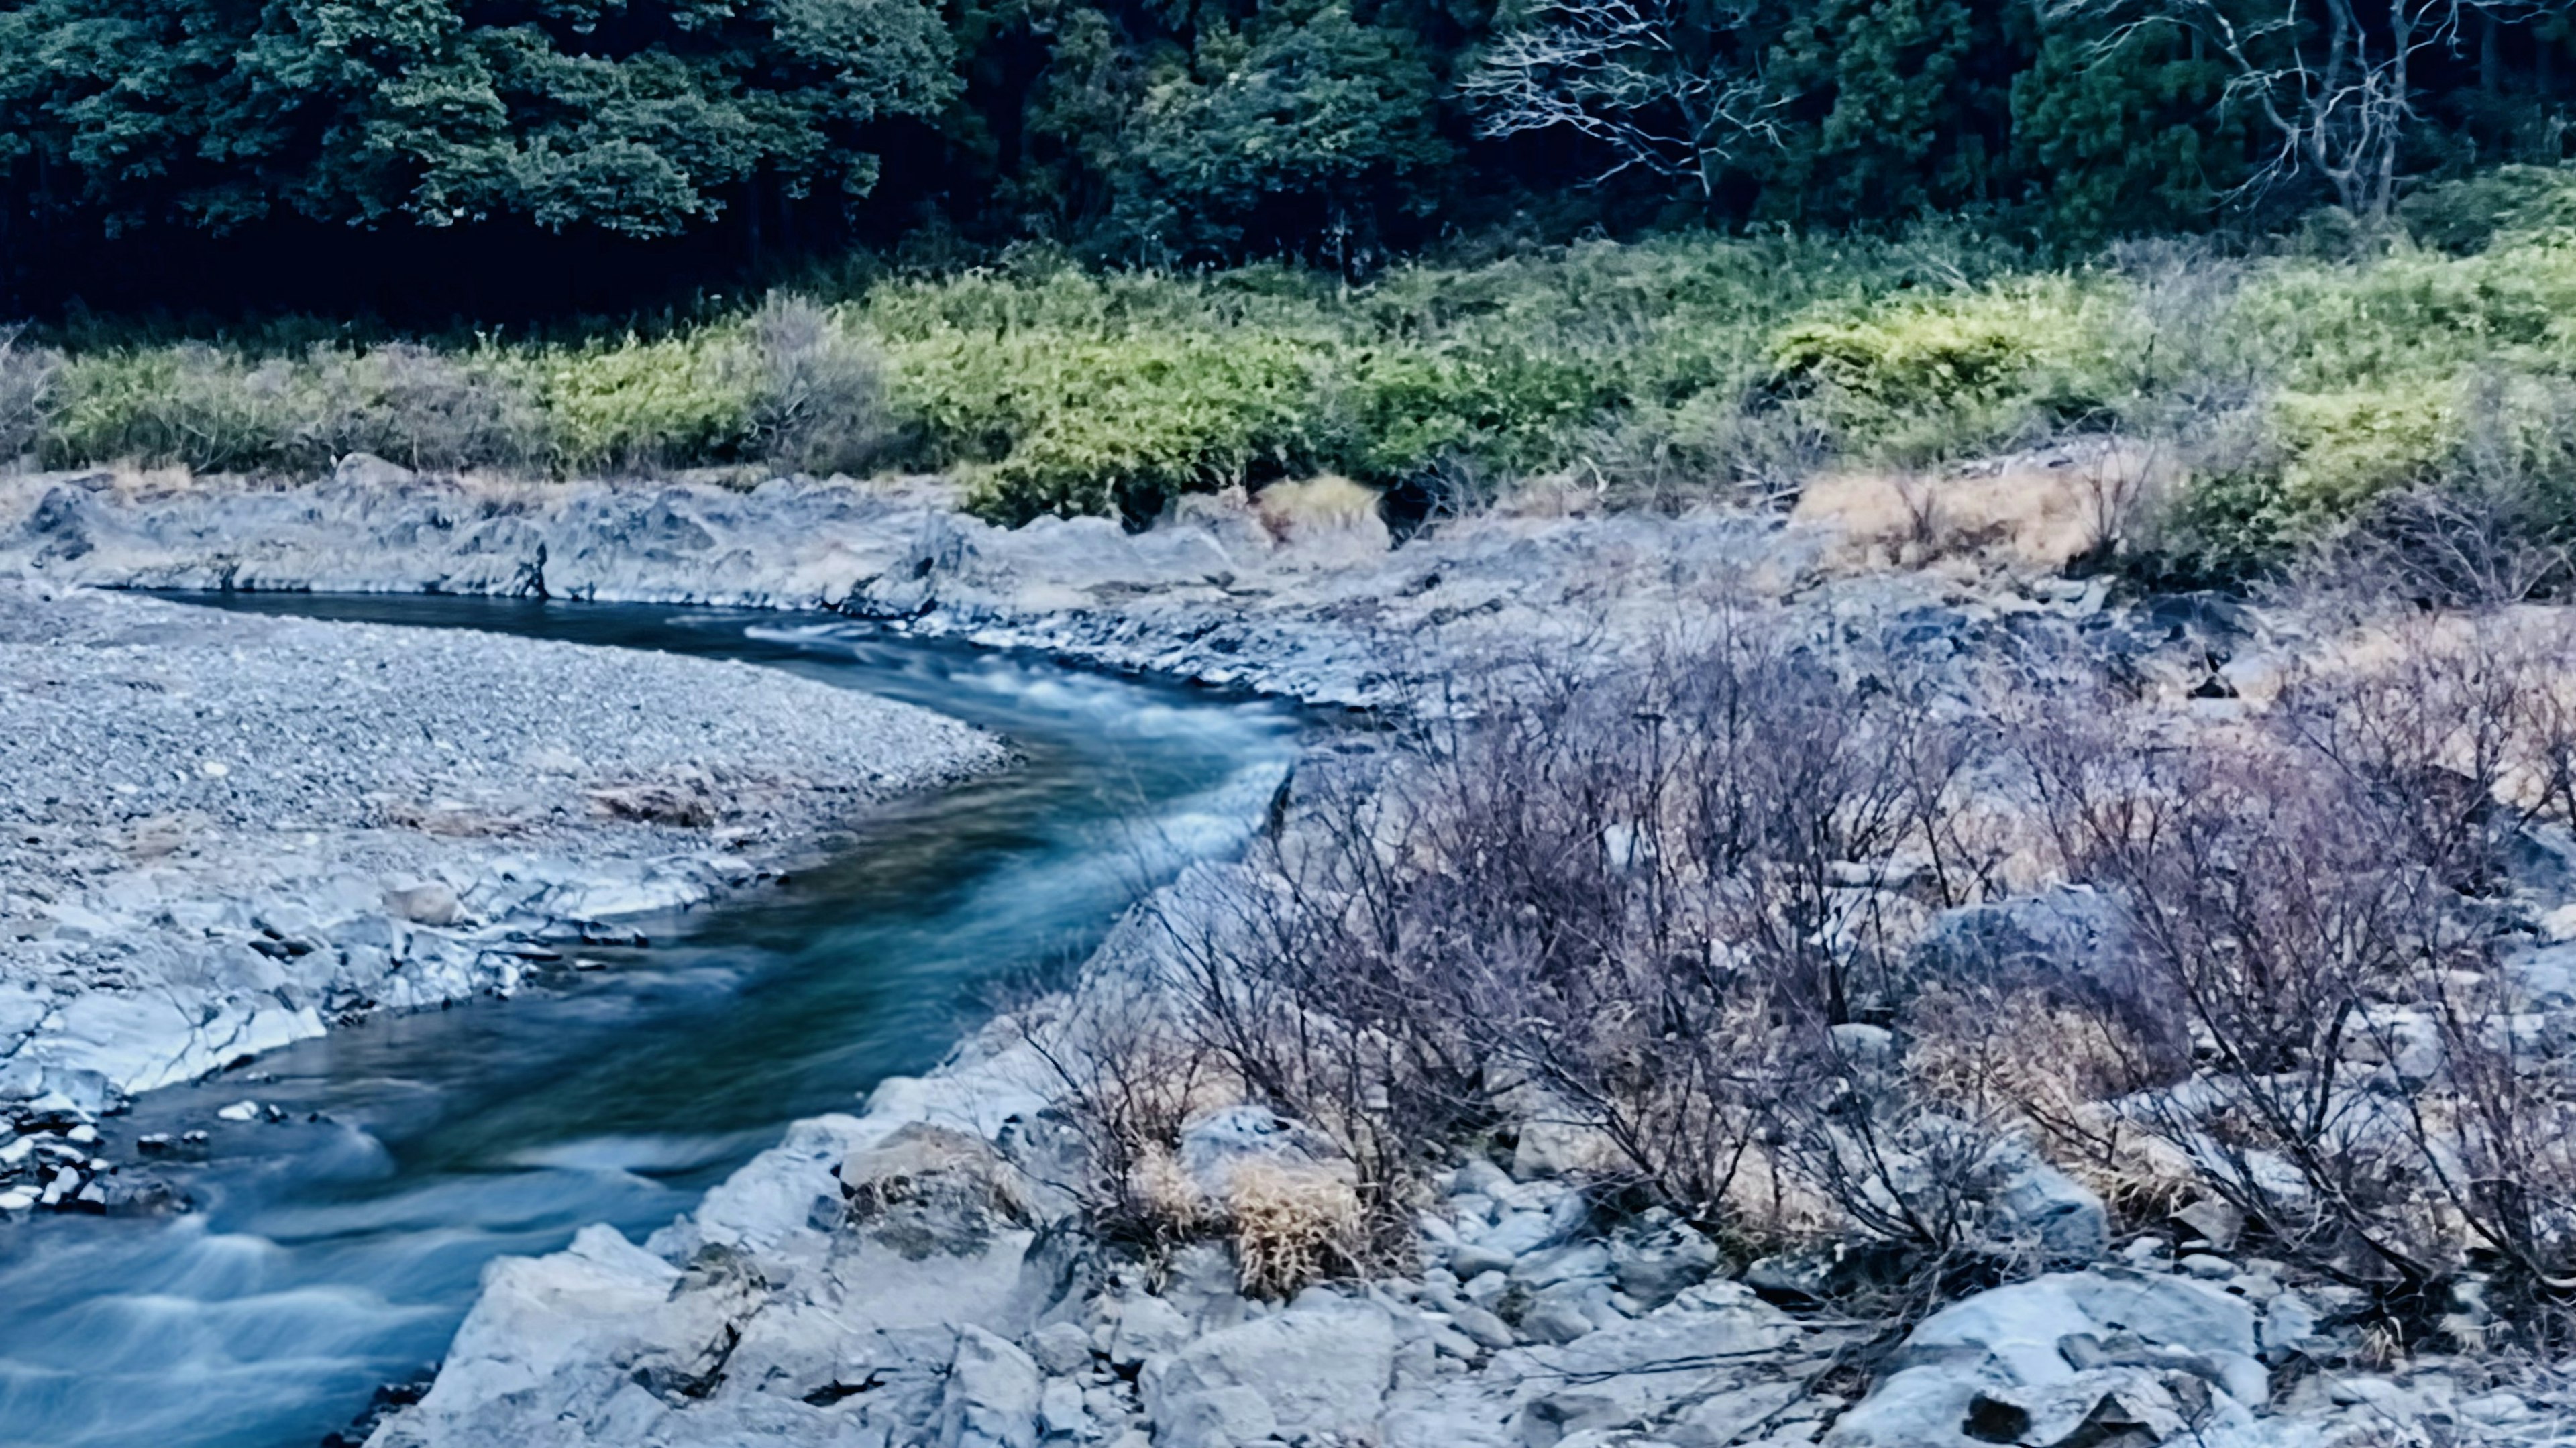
x=1185 y=131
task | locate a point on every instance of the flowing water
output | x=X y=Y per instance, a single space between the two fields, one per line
x=328 y=1255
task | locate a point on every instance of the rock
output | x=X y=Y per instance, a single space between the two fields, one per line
x=2289 y=1328
x=1556 y=1321
x=1551 y=1265
x=1560 y=1148
x=1319 y=1370
x=432 y=902
x=1481 y=1177
x=1061 y=1413
x=238 y=1111
x=1728 y=1417
x=1472 y=1260
x=1225 y=1417
x=1636 y=1373
x=1147 y=1327
x=2070 y=941
x=2042 y=1348
x=1487 y=1330
x=2207 y=1267
x=1871 y=1048
x=1797 y=1276
x=2039 y=1204
x=1656 y=1261
x=1215 y=1144
x=366 y=470
x=992 y=1398
x=1061 y=1348
x=2214 y=1221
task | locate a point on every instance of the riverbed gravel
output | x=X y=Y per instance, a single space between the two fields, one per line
x=220 y=832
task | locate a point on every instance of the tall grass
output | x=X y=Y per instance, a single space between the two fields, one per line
x=2296 y=391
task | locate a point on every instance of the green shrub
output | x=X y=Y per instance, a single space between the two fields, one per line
x=1122 y=427
x=1922 y=378
x=193 y=404
x=633 y=405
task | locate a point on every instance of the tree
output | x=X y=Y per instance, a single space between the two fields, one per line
x=631 y=116
x=1662 y=87
x=2332 y=83
x=1304 y=130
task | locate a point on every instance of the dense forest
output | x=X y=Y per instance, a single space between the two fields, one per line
x=490 y=156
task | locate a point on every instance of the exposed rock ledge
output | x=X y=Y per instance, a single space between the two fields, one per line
x=1225 y=594
x=219 y=833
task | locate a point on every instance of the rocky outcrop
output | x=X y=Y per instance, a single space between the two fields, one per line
x=1216 y=595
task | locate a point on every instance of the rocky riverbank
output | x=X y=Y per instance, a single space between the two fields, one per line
x=222 y=833
x=920 y=1274
x=917 y=1274
x=1299 y=600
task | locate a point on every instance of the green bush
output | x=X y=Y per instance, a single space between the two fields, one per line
x=634 y=405
x=1924 y=378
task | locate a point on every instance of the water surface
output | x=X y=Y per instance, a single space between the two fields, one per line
x=328 y=1255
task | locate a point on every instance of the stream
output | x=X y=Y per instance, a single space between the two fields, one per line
x=337 y=1251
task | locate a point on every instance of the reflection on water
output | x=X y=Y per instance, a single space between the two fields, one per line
x=337 y=1251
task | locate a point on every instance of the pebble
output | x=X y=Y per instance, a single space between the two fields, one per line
x=239 y=1111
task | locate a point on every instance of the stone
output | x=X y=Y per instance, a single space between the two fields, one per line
x=2289 y=1327
x=2214 y=1221
x=238 y=1111
x=1556 y=1322
x=1147 y=1326
x=1728 y=1417
x=992 y=1397
x=1475 y=1260
x=1321 y=1370
x=1561 y=1148
x=2207 y=1267
x=2039 y=1204
x=1215 y=1144
x=366 y=470
x=1061 y=1348
x=431 y=902
x=1223 y=1417
x=1061 y=1413
x=1871 y=1048
x=2042 y=1347
x=1484 y=1327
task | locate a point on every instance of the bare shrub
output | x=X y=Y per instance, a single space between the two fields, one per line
x=420 y=407
x=2325 y=907
x=1719 y=446
x=2497 y=527
x=27 y=377
x=1634 y=895
x=818 y=394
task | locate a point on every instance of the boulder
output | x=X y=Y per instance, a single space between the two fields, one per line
x=1321 y=1369
x=992 y=1396
x=2048 y=1355
x=2039 y=1205
x=1214 y=1145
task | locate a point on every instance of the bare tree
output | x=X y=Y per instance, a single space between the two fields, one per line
x=1655 y=83
x=2330 y=82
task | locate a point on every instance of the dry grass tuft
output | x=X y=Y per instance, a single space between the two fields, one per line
x=1292 y=1226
